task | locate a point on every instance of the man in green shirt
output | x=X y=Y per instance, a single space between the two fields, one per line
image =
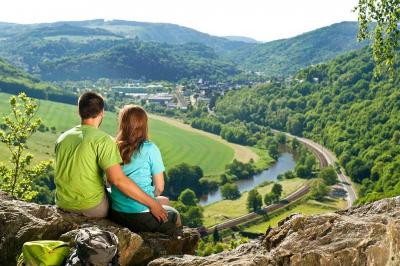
x=83 y=155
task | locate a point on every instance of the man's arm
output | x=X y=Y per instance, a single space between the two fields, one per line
x=116 y=176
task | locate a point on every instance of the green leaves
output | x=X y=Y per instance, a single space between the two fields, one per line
x=385 y=36
x=17 y=179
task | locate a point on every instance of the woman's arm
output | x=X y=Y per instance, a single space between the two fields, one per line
x=158 y=181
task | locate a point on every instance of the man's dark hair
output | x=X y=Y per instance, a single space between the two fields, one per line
x=90 y=105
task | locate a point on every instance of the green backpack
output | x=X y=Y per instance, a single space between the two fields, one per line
x=43 y=253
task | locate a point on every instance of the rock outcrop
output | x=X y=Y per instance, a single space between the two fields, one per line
x=365 y=235
x=22 y=221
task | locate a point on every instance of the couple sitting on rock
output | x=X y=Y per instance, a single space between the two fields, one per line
x=131 y=164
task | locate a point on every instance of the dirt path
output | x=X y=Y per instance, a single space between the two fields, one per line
x=241 y=153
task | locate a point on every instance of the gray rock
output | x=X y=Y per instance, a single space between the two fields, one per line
x=22 y=221
x=365 y=235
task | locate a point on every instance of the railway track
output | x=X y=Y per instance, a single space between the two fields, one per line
x=325 y=158
x=250 y=216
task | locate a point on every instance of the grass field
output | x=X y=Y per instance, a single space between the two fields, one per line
x=176 y=145
x=235 y=208
x=265 y=160
x=305 y=208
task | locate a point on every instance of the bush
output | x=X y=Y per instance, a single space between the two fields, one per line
x=254 y=200
x=328 y=174
x=230 y=191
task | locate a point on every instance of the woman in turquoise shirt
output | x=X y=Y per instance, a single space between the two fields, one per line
x=143 y=164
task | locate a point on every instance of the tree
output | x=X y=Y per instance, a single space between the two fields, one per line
x=17 y=179
x=295 y=143
x=216 y=236
x=295 y=124
x=269 y=198
x=357 y=170
x=303 y=171
x=328 y=174
x=223 y=179
x=188 y=197
x=386 y=35
x=230 y=191
x=254 y=200
x=273 y=150
x=277 y=190
x=183 y=176
x=191 y=216
x=319 y=191
x=310 y=162
x=281 y=138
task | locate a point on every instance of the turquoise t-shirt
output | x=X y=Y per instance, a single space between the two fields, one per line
x=144 y=164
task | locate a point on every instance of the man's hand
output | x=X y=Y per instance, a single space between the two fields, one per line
x=159 y=212
x=116 y=176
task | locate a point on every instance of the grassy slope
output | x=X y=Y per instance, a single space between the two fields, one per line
x=236 y=208
x=305 y=208
x=176 y=145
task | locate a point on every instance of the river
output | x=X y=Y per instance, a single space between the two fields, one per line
x=285 y=163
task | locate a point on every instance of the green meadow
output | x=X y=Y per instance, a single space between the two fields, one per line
x=306 y=208
x=176 y=145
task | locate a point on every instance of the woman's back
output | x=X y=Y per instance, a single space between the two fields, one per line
x=144 y=164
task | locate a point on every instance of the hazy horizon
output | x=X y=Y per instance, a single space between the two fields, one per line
x=250 y=19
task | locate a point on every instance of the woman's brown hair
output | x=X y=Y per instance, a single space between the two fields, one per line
x=132 y=131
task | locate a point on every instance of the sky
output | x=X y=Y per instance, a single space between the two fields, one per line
x=264 y=20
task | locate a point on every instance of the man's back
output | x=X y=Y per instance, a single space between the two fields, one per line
x=82 y=155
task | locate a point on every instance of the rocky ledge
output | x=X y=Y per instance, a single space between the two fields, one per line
x=365 y=235
x=22 y=221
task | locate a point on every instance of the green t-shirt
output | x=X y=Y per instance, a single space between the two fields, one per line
x=83 y=153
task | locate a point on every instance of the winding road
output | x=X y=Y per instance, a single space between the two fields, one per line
x=326 y=157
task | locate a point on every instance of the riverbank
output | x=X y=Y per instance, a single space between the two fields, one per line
x=284 y=164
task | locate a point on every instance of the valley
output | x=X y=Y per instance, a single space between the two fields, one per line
x=250 y=132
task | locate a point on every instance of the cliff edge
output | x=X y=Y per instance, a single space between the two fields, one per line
x=365 y=235
x=23 y=221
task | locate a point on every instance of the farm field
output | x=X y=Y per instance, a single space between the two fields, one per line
x=177 y=145
x=235 y=208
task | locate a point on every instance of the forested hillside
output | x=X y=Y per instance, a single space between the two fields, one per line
x=340 y=105
x=14 y=78
x=283 y=57
x=165 y=48
x=136 y=59
x=63 y=51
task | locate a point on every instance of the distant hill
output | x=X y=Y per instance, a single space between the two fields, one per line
x=136 y=59
x=153 y=32
x=283 y=57
x=34 y=47
x=241 y=39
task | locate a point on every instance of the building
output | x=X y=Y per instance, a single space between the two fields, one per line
x=160 y=98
